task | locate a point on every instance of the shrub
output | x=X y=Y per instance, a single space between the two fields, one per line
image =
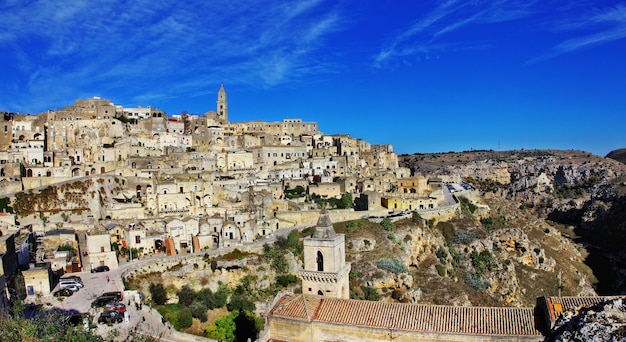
x=474 y=281
x=158 y=293
x=447 y=230
x=392 y=265
x=370 y=293
x=186 y=295
x=198 y=310
x=240 y=303
x=441 y=270
x=354 y=274
x=397 y=294
x=286 y=280
x=482 y=261
x=223 y=329
x=294 y=243
x=184 y=318
x=417 y=218
x=351 y=226
x=464 y=237
x=487 y=222
x=388 y=225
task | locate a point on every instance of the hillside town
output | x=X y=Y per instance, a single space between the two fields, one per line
x=94 y=182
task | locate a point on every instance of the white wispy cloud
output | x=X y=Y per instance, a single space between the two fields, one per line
x=151 y=45
x=425 y=35
x=592 y=27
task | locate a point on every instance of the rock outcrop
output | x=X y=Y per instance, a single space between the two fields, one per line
x=601 y=322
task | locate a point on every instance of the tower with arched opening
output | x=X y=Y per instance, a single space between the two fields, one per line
x=326 y=272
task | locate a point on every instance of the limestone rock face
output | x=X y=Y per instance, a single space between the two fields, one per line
x=363 y=244
x=419 y=246
x=601 y=322
x=393 y=281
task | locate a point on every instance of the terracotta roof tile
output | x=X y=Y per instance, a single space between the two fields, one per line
x=409 y=317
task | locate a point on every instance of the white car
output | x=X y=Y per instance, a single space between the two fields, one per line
x=72 y=288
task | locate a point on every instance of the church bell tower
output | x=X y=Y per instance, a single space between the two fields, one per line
x=326 y=272
x=222 y=104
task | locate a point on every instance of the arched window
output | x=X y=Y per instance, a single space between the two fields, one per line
x=320 y=261
x=320 y=293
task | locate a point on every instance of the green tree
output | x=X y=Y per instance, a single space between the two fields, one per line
x=278 y=261
x=185 y=319
x=286 y=280
x=223 y=329
x=346 y=201
x=240 y=303
x=294 y=243
x=198 y=310
x=186 y=295
x=221 y=296
x=158 y=293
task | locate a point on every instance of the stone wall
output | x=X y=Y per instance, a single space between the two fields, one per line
x=310 y=217
x=296 y=330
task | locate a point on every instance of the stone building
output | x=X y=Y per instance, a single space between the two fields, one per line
x=325 y=269
x=38 y=280
x=324 y=312
x=99 y=251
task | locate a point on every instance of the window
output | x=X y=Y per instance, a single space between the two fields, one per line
x=320 y=261
x=137 y=239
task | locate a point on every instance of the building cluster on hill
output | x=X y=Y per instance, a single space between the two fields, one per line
x=95 y=181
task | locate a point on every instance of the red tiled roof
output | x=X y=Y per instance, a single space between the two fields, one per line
x=570 y=303
x=409 y=317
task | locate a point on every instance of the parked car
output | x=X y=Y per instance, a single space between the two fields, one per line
x=75 y=278
x=111 y=317
x=116 y=294
x=72 y=288
x=65 y=292
x=119 y=307
x=99 y=269
x=102 y=301
x=63 y=282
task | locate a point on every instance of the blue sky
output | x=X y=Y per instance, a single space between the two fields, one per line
x=424 y=76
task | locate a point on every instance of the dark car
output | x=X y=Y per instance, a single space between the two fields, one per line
x=116 y=294
x=100 y=269
x=66 y=292
x=111 y=317
x=102 y=301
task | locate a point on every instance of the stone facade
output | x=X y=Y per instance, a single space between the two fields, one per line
x=325 y=270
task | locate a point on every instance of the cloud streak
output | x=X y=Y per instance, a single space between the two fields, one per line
x=427 y=33
x=599 y=26
x=146 y=43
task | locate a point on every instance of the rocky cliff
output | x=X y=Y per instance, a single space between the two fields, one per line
x=601 y=322
x=582 y=195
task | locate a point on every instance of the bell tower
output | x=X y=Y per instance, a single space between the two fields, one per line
x=326 y=272
x=222 y=104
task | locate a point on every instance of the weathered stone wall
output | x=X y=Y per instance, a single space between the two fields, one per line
x=35 y=182
x=293 y=330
